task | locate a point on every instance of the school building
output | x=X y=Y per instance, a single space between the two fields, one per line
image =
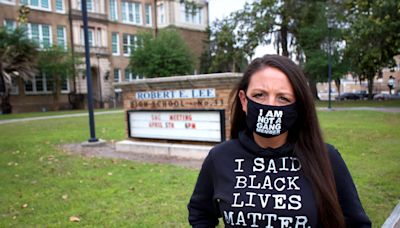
x=113 y=29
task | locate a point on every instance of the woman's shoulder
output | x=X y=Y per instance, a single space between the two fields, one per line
x=333 y=151
x=336 y=159
x=225 y=147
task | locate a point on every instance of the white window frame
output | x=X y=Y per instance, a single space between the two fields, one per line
x=98 y=37
x=11 y=2
x=115 y=10
x=130 y=46
x=119 y=74
x=14 y=23
x=34 y=89
x=64 y=91
x=40 y=5
x=40 y=34
x=187 y=17
x=112 y=44
x=92 y=10
x=161 y=13
x=90 y=30
x=64 y=35
x=148 y=13
x=63 y=7
x=129 y=77
x=131 y=8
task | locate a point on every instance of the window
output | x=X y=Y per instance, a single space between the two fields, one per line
x=161 y=14
x=191 y=15
x=129 y=43
x=131 y=12
x=37 y=4
x=113 y=10
x=40 y=34
x=89 y=5
x=45 y=33
x=117 y=75
x=115 y=43
x=61 y=37
x=60 y=6
x=10 y=25
x=64 y=85
x=128 y=75
x=39 y=84
x=90 y=37
x=14 y=86
x=148 y=14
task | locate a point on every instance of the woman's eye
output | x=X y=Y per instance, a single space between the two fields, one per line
x=258 y=95
x=284 y=99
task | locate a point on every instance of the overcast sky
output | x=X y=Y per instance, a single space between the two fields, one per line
x=222 y=8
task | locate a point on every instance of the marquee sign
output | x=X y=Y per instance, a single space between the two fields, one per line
x=193 y=125
x=175 y=94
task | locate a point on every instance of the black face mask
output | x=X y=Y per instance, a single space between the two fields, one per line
x=270 y=121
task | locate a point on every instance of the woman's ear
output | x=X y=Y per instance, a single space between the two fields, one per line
x=243 y=100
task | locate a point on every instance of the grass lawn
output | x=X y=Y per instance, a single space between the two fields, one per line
x=43 y=186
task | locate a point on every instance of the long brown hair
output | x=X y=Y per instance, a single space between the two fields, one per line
x=306 y=136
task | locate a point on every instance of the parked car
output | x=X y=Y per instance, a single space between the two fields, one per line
x=347 y=96
x=385 y=96
x=363 y=94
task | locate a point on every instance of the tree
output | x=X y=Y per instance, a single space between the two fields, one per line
x=299 y=30
x=57 y=64
x=18 y=57
x=161 y=56
x=372 y=38
x=224 y=48
x=264 y=21
x=318 y=35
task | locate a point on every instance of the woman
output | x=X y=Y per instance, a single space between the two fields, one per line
x=276 y=171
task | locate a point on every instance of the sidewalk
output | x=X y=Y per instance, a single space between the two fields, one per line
x=378 y=109
x=56 y=117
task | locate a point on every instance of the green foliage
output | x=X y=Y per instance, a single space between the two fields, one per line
x=165 y=55
x=17 y=59
x=372 y=39
x=224 y=47
x=57 y=62
x=316 y=40
x=18 y=55
x=362 y=37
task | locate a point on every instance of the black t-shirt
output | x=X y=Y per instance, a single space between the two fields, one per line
x=250 y=186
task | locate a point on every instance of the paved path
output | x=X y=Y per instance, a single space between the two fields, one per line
x=378 y=109
x=56 y=117
x=390 y=110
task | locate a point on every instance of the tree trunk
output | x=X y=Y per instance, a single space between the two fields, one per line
x=284 y=30
x=337 y=83
x=313 y=87
x=56 y=94
x=6 y=107
x=370 y=85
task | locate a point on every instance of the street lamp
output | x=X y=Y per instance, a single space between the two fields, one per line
x=92 y=138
